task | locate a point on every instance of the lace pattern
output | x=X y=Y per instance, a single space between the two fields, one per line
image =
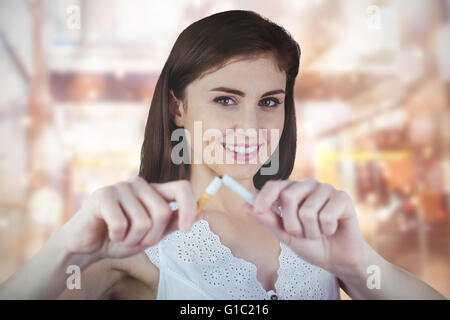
x=200 y=257
x=153 y=254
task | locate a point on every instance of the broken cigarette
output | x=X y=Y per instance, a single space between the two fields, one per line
x=210 y=190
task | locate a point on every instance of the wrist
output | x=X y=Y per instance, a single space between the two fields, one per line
x=356 y=270
x=68 y=257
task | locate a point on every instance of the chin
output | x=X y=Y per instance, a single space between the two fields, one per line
x=237 y=171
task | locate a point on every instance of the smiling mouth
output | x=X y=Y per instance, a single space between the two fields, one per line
x=242 y=149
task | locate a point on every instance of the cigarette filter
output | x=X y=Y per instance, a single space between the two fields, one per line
x=210 y=190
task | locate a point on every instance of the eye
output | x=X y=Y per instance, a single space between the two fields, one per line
x=226 y=101
x=270 y=102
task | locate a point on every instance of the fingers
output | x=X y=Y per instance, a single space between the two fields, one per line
x=160 y=213
x=137 y=214
x=269 y=194
x=155 y=197
x=112 y=214
x=181 y=191
x=290 y=200
x=333 y=211
x=309 y=210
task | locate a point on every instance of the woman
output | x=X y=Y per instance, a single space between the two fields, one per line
x=232 y=72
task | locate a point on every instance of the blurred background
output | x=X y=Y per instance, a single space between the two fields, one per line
x=372 y=99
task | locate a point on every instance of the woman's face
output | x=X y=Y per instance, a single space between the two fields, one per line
x=227 y=112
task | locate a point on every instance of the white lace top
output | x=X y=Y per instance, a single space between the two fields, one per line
x=197 y=266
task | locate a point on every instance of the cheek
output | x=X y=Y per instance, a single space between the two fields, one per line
x=204 y=130
x=280 y=121
x=274 y=122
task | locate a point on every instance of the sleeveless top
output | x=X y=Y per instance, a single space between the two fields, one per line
x=197 y=266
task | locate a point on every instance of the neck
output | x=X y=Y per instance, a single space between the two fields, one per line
x=224 y=201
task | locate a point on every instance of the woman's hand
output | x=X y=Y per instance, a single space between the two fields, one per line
x=318 y=222
x=121 y=220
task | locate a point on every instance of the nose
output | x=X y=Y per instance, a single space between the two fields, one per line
x=246 y=125
x=247 y=119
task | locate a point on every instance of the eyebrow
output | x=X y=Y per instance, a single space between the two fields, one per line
x=242 y=94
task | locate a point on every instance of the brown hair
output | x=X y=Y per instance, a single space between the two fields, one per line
x=205 y=45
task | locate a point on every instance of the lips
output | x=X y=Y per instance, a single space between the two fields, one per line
x=242 y=152
x=241 y=149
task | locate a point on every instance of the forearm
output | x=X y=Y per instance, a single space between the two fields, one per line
x=45 y=275
x=394 y=282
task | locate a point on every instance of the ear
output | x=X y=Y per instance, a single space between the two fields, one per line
x=176 y=109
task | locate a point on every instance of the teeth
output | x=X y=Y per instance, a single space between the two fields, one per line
x=241 y=150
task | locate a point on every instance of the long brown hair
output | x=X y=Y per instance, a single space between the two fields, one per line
x=207 y=45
